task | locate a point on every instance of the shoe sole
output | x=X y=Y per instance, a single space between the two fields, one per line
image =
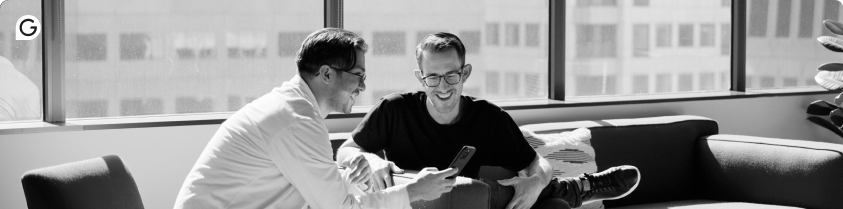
x=624 y=194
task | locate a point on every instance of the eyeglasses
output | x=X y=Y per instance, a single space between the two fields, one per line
x=435 y=80
x=361 y=75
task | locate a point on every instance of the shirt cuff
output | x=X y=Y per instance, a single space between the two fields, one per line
x=399 y=194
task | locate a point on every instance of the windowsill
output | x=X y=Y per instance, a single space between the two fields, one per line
x=360 y=111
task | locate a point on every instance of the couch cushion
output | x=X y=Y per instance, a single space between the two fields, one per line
x=704 y=204
x=569 y=153
x=661 y=147
x=773 y=171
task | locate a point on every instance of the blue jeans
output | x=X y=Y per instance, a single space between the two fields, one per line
x=559 y=193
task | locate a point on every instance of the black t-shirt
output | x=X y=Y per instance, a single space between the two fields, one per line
x=401 y=125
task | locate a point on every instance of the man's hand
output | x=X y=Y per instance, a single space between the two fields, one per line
x=382 y=172
x=527 y=189
x=359 y=166
x=430 y=184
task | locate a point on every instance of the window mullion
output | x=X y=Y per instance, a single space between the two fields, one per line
x=739 y=10
x=333 y=13
x=53 y=61
x=556 y=68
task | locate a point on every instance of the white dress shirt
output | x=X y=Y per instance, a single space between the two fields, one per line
x=275 y=153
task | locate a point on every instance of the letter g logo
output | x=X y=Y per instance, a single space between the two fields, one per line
x=27 y=28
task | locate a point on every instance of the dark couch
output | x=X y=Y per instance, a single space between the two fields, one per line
x=684 y=161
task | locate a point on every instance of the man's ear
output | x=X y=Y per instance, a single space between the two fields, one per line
x=418 y=74
x=466 y=71
x=325 y=74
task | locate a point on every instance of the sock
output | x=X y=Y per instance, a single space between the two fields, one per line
x=585 y=185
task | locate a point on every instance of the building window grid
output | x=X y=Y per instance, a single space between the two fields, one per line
x=758 y=18
x=707 y=34
x=783 y=18
x=806 y=19
x=686 y=35
x=664 y=35
x=725 y=26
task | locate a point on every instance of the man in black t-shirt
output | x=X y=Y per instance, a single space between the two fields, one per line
x=428 y=128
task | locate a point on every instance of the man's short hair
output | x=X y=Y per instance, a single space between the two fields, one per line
x=439 y=42
x=329 y=46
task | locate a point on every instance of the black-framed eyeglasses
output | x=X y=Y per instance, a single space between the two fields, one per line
x=361 y=75
x=435 y=80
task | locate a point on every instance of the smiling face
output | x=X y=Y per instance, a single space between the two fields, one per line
x=444 y=98
x=348 y=86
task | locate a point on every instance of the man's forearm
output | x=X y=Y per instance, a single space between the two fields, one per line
x=344 y=153
x=540 y=167
x=350 y=149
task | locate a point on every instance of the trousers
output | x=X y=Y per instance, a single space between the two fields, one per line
x=559 y=193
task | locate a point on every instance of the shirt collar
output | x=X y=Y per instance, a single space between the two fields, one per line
x=299 y=83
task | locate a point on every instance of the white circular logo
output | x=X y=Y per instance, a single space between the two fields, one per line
x=27 y=28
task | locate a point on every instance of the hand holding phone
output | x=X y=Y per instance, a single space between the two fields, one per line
x=461 y=159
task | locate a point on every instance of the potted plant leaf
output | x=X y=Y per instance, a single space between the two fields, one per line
x=830 y=77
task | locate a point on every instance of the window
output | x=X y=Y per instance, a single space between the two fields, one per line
x=686 y=35
x=234 y=102
x=20 y=66
x=806 y=19
x=290 y=42
x=502 y=73
x=134 y=46
x=706 y=81
x=597 y=2
x=125 y=61
x=768 y=82
x=532 y=35
x=783 y=22
x=389 y=43
x=88 y=108
x=187 y=104
x=492 y=34
x=770 y=66
x=642 y=3
x=20 y=49
x=726 y=39
x=664 y=35
x=91 y=47
x=512 y=83
x=641 y=84
x=595 y=85
x=244 y=44
x=641 y=40
x=493 y=82
x=649 y=62
x=707 y=35
x=686 y=82
x=141 y=107
x=512 y=34
x=757 y=18
x=533 y=84
x=471 y=40
x=831 y=11
x=664 y=83
x=789 y=82
x=3 y=44
x=596 y=41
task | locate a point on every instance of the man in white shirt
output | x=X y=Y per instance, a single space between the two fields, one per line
x=275 y=152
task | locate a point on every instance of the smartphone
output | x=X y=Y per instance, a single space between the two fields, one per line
x=461 y=159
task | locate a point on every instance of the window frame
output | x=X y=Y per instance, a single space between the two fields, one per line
x=54 y=104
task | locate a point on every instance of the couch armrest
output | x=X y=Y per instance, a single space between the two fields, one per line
x=467 y=193
x=770 y=171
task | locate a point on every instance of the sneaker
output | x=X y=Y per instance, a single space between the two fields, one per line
x=610 y=184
